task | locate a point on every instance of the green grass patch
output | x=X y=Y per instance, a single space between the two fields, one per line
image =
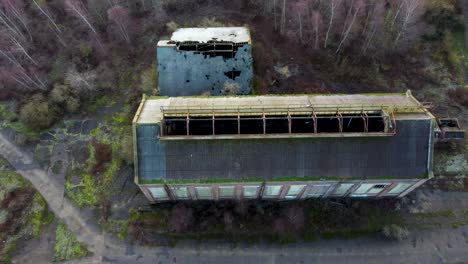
x=67 y=246
x=32 y=217
x=106 y=154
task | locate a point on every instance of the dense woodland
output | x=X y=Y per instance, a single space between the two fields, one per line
x=58 y=55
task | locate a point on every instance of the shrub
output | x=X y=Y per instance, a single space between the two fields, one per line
x=38 y=114
x=231 y=88
x=459 y=95
x=395 y=232
x=172 y=26
x=149 y=81
x=210 y=22
x=65 y=97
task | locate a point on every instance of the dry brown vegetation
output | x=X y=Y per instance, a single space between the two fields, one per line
x=74 y=51
x=262 y=220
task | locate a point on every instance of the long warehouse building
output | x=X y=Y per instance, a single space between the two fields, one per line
x=282 y=146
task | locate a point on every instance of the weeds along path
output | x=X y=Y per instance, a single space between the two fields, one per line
x=80 y=224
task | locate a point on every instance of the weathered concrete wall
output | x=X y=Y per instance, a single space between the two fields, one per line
x=187 y=73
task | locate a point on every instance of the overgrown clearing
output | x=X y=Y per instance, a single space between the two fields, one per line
x=23 y=211
x=109 y=149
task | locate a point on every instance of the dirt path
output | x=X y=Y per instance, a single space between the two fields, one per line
x=79 y=223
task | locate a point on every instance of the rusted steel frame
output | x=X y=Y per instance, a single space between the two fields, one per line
x=169 y=192
x=394 y=123
x=340 y=121
x=365 y=119
x=188 y=123
x=314 y=117
x=289 y=123
x=261 y=191
x=238 y=123
x=213 y=123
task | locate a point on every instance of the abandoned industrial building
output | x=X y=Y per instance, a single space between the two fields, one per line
x=282 y=147
x=205 y=61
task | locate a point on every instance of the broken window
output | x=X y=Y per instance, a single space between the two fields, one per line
x=399 y=188
x=272 y=191
x=294 y=191
x=342 y=189
x=158 y=193
x=180 y=192
x=317 y=190
x=204 y=192
x=272 y=123
x=212 y=49
x=232 y=74
x=250 y=191
x=226 y=191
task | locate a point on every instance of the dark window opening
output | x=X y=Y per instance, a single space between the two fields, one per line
x=302 y=124
x=225 y=49
x=232 y=74
x=274 y=124
x=175 y=127
x=226 y=125
x=201 y=126
x=328 y=124
x=353 y=123
x=376 y=123
x=277 y=124
x=379 y=186
x=251 y=125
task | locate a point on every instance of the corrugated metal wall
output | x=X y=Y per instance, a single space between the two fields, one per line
x=404 y=155
x=187 y=73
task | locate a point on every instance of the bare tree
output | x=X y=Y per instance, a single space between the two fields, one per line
x=77 y=8
x=374 y=23
x=48 y=16
x=120 y=17
x=334 y=4
x=283 y=18
x=356 y=7
x=14 y=11
x=82 y=82
x=411 y=12
x=316 y=24
x=28 y=79
x=12 y=44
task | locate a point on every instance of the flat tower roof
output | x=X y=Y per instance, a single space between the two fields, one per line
x=233 y=34
x=151 y=111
